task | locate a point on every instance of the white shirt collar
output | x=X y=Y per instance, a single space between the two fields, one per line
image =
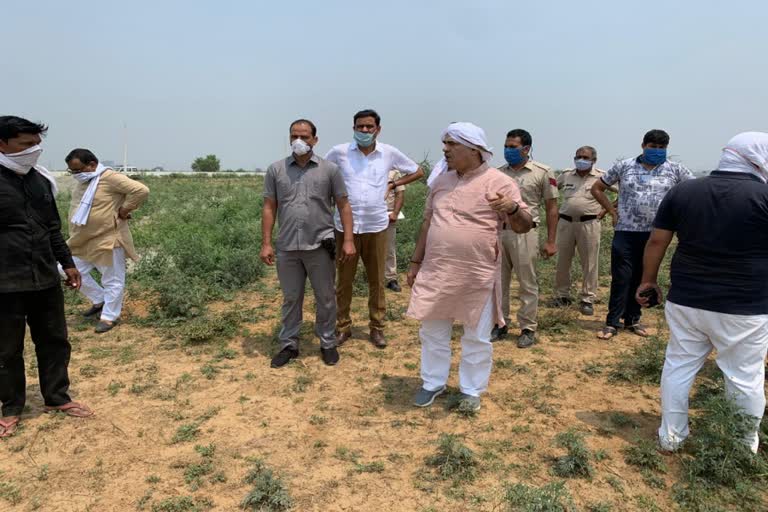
x=353 y=146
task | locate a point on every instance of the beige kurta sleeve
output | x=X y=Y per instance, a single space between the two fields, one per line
x=135 y=192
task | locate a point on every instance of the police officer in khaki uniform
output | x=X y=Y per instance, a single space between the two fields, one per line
x=537 y=185
x=395 y=200
x=579 y=230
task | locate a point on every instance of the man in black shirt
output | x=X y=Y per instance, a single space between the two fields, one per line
x=719 y=293
x=31 y=244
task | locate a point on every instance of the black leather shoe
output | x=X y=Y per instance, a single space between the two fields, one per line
x=330 y=355
x=284 y=356
x=586 y=309
x=526 y=339
x=499 y=333
x=95 y=309
x=394 y=286
x=103 y=326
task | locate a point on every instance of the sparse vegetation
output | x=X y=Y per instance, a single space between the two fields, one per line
x=553 y=497
x=453 y=460
x=643 y=364
x=576 y=463
x=268 y=493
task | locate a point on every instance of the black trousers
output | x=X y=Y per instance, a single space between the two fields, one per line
x=43 y=311
x=626 y=272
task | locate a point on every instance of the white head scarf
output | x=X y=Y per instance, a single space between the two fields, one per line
x=24 y=161
x=747 y=152
x=467 y=134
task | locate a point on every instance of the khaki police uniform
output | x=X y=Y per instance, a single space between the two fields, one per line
x=390 y=268
x=537 y=183
x=578 y=229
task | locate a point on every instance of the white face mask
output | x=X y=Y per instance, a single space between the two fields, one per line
x=300 y=148
x=23 y=161
x=582 y=164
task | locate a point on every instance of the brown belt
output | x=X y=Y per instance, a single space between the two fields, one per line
x=583 y=218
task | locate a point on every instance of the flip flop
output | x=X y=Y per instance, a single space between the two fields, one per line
x=74 y=409
x=8 y=426
x=607 y=332
x=638 y=329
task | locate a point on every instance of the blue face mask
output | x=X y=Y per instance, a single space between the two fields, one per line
x=514 y=156
x=654 y=156
x=364 y=139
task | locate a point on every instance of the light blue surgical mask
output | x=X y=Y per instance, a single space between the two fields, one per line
x=364 y=139
x=654 y=156
x=514 y=156
x=582 y=164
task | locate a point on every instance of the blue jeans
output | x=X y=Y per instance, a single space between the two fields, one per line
x=626 y=272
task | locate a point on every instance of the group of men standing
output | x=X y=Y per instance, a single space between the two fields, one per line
x=480 y=224
x=34 y=254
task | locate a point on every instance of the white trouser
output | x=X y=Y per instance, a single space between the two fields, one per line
x=112 y=281
x=741 y=342
x=476 y=353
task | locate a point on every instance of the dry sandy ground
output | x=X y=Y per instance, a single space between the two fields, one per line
x=318 y=427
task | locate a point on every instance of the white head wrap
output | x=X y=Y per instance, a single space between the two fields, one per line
x=467 y=134
x=747 y=152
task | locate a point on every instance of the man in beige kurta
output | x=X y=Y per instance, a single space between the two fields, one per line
x=456 y=270
x=99 y=237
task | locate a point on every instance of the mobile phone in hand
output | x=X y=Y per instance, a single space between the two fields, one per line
x=652 y=296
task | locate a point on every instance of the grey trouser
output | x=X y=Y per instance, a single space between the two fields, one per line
x=293 y=268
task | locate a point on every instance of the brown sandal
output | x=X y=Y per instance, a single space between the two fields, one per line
x=74 y=409
x=8 y=426
x=638 y=329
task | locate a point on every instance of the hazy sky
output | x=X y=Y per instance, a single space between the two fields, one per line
x=192 y=77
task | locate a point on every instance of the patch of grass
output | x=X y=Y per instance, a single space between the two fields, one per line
x=453 y=460
x=269 y=493
x=576 y=462
x=302 y=383
x=558 y=321
x=114 y=387
x=153 y=479
x=209 y=371
x=553 y=497
x=643 y=364
x=508 y=364
x=210 y=327
x=317 y=420
x=10 y=492
x=371 y=467
x=194 y=473
x=593 y=368
x=186 y=432
x=644 y=454
x=347 y=455
x=88 y=371
x=182 y=504
x=719 y=462
x=602 y=506
x=621 y=420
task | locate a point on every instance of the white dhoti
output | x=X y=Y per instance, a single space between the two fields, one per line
x=112 y=287
x=741 y=342
x=476 y=353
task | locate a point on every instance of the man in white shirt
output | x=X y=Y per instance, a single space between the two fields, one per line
x=365 y=164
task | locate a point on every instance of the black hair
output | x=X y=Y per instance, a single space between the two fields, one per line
x=656 y=137
x=525 y=137
x=13 y=126
x=368 y=113
x=85 y=156
x=305 y=121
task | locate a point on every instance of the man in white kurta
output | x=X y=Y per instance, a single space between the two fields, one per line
x=455 y=269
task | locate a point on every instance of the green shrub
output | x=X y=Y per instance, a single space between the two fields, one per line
x=576 y=462
x=553 y=497
x=268 y=493
x=453 y=460
x=643 y=364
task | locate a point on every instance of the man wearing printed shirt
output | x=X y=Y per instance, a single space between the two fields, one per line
x=365 y=165
x=644 y=181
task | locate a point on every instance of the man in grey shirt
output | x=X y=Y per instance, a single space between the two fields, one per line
x=300 y=191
